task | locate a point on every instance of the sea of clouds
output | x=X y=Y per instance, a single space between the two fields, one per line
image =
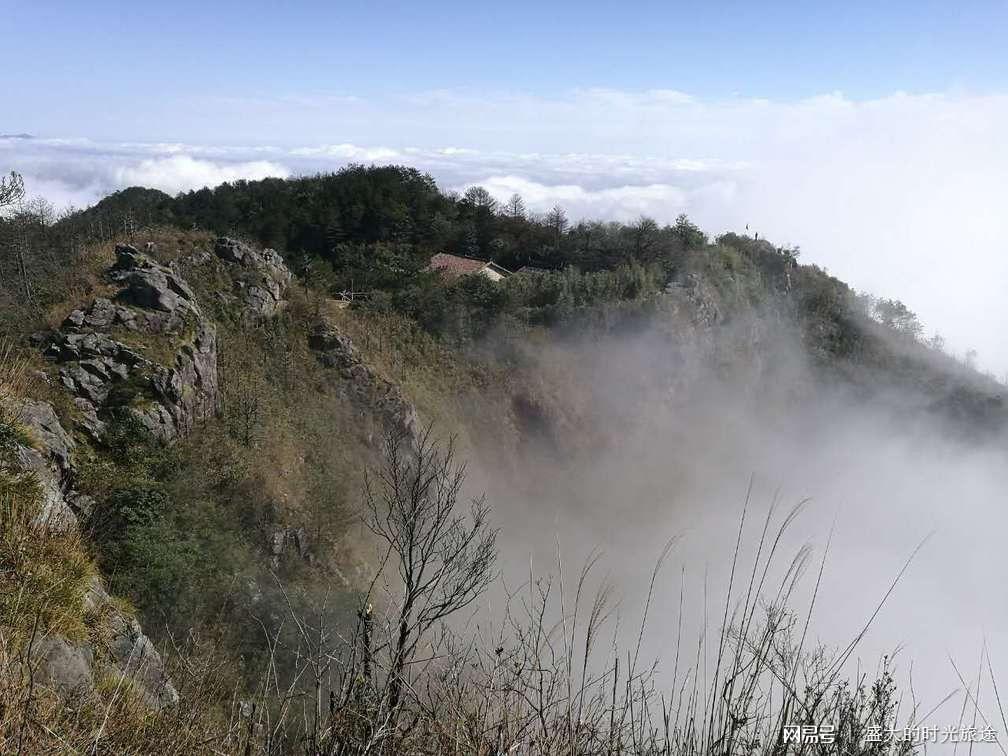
x=900 y=195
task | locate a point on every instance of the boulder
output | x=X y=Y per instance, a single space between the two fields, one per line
x=262 y=281
x=54 y=514
x=64 y=666
x=149 y=285
x=53 y=441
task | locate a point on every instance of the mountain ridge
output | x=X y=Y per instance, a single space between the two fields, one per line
x=210 y=402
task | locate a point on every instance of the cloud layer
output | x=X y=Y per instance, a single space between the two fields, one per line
x=900 y=195
x=181 y=172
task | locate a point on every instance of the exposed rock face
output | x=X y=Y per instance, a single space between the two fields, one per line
x=363 y=385
x=93 y=365
x=133 y=656
x=186 y=391
x=168 y=397
x=264 y=280
x=92 y=362
x=162 y=296
x=101 y=373
x=70 y=667
x=284 y=539
x=103 y=313
x=66 y=666
x=149 y=285
x=704 y=302
x=42 y=423
x=54 y=514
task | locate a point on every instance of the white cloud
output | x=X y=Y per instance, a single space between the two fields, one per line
x=623 y=203
x=180 y=172
x=348 y=152
x=81 y=171
x=901 y=195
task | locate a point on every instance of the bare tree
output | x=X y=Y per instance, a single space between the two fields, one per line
x=556 y=219
x=444 y=559
x=29 y=221
x=515 y=207
x=11 y=189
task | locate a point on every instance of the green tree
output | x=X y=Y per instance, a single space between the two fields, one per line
x=894 y=314
x=688 y=233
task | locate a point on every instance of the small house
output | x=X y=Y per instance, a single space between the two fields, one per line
x=453 y=267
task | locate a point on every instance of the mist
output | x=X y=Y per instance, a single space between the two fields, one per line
x=663 y=436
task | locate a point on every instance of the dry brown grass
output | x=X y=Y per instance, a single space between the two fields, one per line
x=555 y=676
x=113 y=718
x=13 y=379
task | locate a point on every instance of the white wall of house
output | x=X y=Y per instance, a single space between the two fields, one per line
x=490 y=273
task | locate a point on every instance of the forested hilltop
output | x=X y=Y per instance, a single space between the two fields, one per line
x=232 y=518
x=371 y=231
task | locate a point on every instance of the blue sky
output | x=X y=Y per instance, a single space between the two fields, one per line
x=869 y=134
x=84 y=60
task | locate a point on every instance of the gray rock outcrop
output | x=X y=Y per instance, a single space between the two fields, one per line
x=362 y=385
x=288 y=539
x=101 y=372
x=149 y=285
x=64 y=666
x=68 y=666
x=54 y=514
x=169 y=383
x=43 y=424
x=132 y=655
x=187 y=390
x=263 y=279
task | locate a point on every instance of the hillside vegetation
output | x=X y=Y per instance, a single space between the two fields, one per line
x=203 y=442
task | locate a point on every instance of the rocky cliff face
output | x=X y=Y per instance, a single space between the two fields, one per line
x=260 y=277
x=365 y=388
x=147 y=349
x=122 y=650
x=103 y=373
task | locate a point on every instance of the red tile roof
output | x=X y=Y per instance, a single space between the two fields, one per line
x=452 y=266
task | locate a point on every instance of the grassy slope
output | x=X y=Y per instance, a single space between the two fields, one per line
x=288 y=451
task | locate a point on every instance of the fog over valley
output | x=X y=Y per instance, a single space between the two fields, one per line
x=676 y=460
